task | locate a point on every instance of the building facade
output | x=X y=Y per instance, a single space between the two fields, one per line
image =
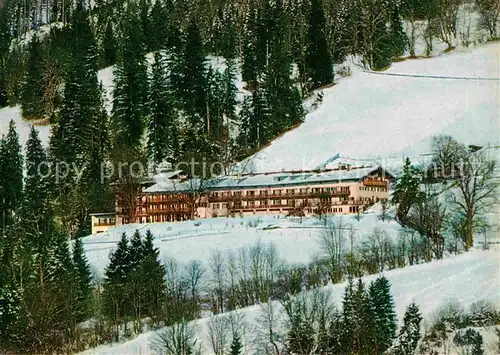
x=343 y=190
x=101 y=222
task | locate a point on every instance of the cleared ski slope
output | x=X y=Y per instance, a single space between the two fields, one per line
x=465 y=278
x=382 y=116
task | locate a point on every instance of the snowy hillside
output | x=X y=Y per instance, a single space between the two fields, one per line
x=106 y=78
x=379 y=115
x=184 y=241
x=465 y=278
x=373 y=114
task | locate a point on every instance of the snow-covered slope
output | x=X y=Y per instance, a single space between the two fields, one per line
x=296 y=242
x=106 y=78
x=465 y=278
x=379 y=115
x=23 y=127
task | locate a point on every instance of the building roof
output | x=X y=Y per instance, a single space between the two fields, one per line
x=283 y=179
x=103 y=214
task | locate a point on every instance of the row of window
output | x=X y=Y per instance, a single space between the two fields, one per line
x=372 y=188
x=280 y=192
x=164 y=206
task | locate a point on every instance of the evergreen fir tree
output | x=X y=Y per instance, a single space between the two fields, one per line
x=236 y=346
x=409 y=334
x=131 y=86
x=33 y=86
x=83 y=281
x=153 y=272
x=36 y=210
x=11 y=177
x=381 y=51
x=255 y=120
x=349 y=318
x=227 y=42
x=80 y=137
x=407 y=191
x=193 y=79
x=318 y=60
x=60 y=280
x=159 y=31
x=471 y=341
x=163 y=125
x=365 y=325
x=385 y=315
x=116 y=274
x=145 y=25
x=285 y=102
x=82 y=103
x=109 y=46
x=399 y=40
x=250 y=72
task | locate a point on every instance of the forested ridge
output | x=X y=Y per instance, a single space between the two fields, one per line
x=181 y=108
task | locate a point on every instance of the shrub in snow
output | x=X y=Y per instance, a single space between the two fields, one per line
x=179 y=339
x=470 y=341
x=483 y=313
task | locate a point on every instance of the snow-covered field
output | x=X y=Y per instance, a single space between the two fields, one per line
x=184 y=241
x=465 y=278
x=383 y=116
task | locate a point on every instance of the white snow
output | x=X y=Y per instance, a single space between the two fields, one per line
x=379 y=116
x=23 y=127
x=184 y=241
x=465 y=278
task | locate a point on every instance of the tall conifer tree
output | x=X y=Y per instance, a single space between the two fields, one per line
x=131 y=85
x=11 y=176
x=83 y=281
x=318 y=61
x=33 y=86
x=385 y=315
x=193 y=78
x=163 y=124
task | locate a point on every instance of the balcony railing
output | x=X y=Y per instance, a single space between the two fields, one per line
x=296 y=205
x=149 y=211
x=284 y=196
x=377 y=183
x=104 y=224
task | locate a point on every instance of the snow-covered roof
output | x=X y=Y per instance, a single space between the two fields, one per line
x=263 y=180
x=166 y=175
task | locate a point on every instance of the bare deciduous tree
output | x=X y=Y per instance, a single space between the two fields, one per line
x=489 y=12
x=333 y=242
x=472 y=175
x=444 y=24
x=428 y=218
x=218 y=332
x=194 y=280
x=179 y=339
x=268 y=337
x=218 y=268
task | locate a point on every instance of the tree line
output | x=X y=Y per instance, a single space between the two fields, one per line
x=451 y=194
